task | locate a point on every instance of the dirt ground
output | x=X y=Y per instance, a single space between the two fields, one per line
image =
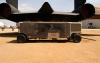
x=87 y=51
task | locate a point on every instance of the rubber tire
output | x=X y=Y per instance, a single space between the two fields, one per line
x=76 y=38
x=21 y=39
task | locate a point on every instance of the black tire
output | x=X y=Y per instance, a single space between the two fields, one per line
x=76 y=38
x=21 y=38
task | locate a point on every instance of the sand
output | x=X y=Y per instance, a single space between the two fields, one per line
x=87 y=51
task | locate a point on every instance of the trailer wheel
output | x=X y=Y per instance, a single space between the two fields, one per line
x=21 y=38
x=76 y=38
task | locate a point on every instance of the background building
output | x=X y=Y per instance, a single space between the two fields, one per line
x=95 y=20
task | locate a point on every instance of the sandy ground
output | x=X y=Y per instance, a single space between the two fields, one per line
x=87 y=51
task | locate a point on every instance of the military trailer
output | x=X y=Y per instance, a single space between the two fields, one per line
x=49 y=30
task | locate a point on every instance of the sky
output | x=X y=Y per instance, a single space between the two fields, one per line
x=57 y=5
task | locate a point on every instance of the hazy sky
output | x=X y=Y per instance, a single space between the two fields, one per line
x=57 y=5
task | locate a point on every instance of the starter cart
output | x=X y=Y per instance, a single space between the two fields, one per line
x=51 y=30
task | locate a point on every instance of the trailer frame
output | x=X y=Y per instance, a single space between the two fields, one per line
x=51 y=30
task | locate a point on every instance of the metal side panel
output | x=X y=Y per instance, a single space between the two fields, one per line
x=26 y=28
x=76 y=27
x=67 y=30
x=45 y=29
